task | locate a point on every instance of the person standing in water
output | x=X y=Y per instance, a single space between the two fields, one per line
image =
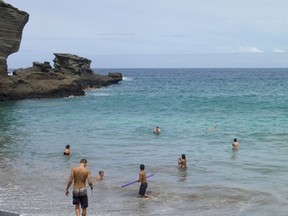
x=235 y=144
x=157 y=130
x=79 y=175
x=142 y=179
x=182 y=161
x=67 y=150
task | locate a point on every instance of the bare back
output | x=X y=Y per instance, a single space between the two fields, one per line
x=182 y=162
x=235 y=145
x=80 y=174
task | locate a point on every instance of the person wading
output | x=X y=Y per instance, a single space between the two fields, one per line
x=79 y=175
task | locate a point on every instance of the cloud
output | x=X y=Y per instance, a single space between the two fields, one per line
x=276 y=50
x=250 y=49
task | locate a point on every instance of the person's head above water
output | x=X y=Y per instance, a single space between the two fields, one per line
x=183 y=156
x=84 y=161
x=67 y=146
x=142 y=167
x=156 y=130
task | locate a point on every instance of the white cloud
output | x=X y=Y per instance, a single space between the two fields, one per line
x=276 y=50
x=249 y=50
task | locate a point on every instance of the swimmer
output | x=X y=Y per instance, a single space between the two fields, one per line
x=100 y=177
x=67 y=150
x=157 y=130
x=235 y=144
x=182 y=161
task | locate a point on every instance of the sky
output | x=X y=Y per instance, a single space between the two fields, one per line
x=156 y=33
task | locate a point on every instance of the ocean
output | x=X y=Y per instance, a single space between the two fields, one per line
x=199 y=111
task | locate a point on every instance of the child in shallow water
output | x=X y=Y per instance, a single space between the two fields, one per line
x=182 y=161
x=100 y=177
x=67 y=150
x=157 y=130
x=235 y=144
x=142 y=179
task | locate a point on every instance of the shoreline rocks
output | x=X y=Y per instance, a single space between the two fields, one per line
x=43 y=81
x=71 y=74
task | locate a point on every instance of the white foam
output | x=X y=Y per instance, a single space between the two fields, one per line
x=127 y=78
x=102 y=94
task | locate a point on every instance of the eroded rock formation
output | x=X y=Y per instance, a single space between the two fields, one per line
x=12 y=22
x=65 y=62
x=71 y=74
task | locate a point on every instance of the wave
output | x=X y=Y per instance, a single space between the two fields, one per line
x=101 y=94
x=127 y=78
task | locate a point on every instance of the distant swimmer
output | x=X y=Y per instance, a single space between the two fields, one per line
x=182 y=161
x=142 y=179
x=79 y=175
x=100 y=177
x=157 y=130
x=67 y=150
x=235 y=144
x=213 y=129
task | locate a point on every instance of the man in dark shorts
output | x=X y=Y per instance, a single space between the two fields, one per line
x=79 y=175
x=143 y=180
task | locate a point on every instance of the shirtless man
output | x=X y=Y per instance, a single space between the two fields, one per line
x=156 y=130
x=142 y=179
x=79 y=175
x=235 y=144
x=182 y=161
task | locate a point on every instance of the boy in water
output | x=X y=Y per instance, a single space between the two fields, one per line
x=67 y=150
x=235 y=144
x=157 y=130
x=182 y=161
x=100 y=177
x=142 y=179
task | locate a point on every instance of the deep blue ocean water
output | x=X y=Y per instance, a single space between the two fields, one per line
x=199 y=111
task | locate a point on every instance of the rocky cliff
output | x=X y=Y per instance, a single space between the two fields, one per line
x=12 y=22
x=71 y=74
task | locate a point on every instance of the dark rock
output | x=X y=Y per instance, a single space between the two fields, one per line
x=116 y=77
x=37 y=66
x=44 y=67
x=65 y=62
x=41 y=81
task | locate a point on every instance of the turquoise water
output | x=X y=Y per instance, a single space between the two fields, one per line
x=199 y=111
